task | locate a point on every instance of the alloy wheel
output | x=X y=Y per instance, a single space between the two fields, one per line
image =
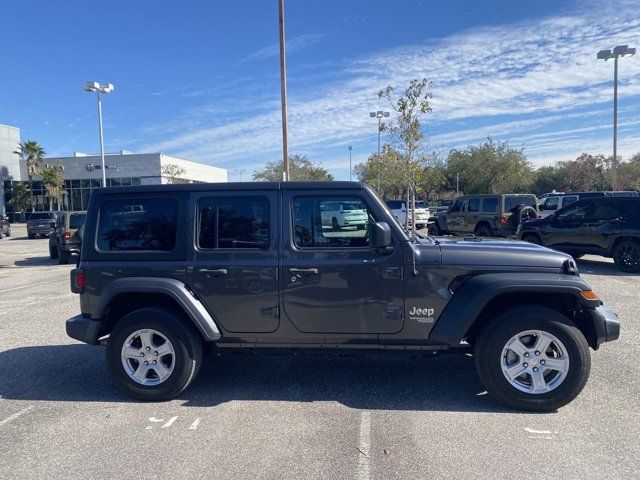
x=148 y=357
x=534 y=361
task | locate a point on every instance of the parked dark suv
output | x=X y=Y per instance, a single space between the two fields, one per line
x=66 y=239
x=253 y=265
x=485 y=215
x=607 y=226
x=41 y=224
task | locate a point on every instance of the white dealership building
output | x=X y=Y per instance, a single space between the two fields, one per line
x=84 y=173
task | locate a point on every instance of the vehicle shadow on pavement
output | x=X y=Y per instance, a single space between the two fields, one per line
x=595 y=267
x=379 y=380
x=35 y=262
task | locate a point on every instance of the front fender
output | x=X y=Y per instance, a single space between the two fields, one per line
x=475 y=294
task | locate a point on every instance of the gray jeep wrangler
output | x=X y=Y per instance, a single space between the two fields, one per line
x=165 y=269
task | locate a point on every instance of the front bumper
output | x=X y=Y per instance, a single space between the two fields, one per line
x=85 y=329
x=606 y=323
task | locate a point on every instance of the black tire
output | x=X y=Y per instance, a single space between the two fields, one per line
x=626 y=256
x=63 y=256
x=483 y=230
x=532 y=238
x=8 y=232
x=53 y=252
x=31 y=236
x=334 y=224
x=494 y=337
x=186 y=342
x=1 y=233
x=433 y=229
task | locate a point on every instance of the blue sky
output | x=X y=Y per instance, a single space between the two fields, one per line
x=200 y=79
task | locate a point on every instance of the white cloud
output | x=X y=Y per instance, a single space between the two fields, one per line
x=513 y=79
x=293 y=45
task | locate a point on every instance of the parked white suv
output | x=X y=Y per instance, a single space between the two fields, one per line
x=338 y=215
x=399 y=210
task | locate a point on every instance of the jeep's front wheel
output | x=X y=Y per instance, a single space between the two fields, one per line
x=153 y=354
x=533 y=358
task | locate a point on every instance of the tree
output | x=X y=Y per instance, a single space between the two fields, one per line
x=53 y=182
x=406 y=130
x=547 y=179
x=173 y=173
x=300 y=169
x=33 y=154
x=492 y=167
x=19 y=197
x=585 y=173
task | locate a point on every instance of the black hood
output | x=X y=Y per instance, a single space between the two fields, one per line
x=495 y=253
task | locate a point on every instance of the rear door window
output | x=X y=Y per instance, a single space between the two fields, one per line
x=569 y=200
x=490 y=205
x=473 y=205
x=233 y=222
x=135 y=224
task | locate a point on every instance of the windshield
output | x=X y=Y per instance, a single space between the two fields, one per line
x=41 y=216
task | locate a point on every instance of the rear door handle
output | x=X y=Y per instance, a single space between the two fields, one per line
x=313 y=271
x=215 y=271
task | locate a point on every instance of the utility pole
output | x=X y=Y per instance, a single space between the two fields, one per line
x=283 y=92
x=457 y=184
x=350 y=149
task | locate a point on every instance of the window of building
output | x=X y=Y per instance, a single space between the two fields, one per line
x=233 y=222
x=330 y=222
x=138 y=224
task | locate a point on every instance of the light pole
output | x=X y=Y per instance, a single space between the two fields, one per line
x=106 y=88
x=283 y=92
x=379 y=115
x=619 y=51
x=350 y=149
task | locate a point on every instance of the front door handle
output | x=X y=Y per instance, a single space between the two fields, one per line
x=215 y=271
x=313 y=271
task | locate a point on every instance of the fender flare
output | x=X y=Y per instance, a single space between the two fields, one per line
x=475 y=294
x=175 y=289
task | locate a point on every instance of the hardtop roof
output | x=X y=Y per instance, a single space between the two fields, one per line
x=233 y=186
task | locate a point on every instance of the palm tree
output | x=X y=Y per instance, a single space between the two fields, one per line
x=19 y=197
x=33 y=154
x=53 y=182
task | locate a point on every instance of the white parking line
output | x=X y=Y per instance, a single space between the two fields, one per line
x=364 y=447
x=15 y=415
x=29 y=286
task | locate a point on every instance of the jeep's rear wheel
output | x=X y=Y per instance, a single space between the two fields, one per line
x=153 y=354
x=533 y=358
x=626 y=256
x=63 y=256
x=483 y=230
x=53 y=252
x=532 y=238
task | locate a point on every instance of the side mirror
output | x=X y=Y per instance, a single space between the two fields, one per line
x=381 y=235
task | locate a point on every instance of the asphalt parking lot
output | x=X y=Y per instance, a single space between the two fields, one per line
x=295 y=416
